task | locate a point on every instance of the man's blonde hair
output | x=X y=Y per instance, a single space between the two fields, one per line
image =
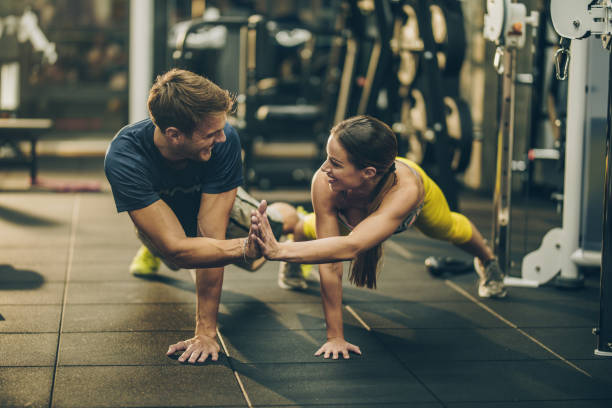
x=182 y=99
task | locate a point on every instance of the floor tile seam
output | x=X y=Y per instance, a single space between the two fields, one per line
x=352 y=404
x=436 y=327
x=294 y=329
x=231 y=331
x=97 y=304
x=27 y=366
x=128 y=303
x=169 y=364
x=36 y=284
x=594 y=358
x=70 y=256
x=518 y=400
x=373 y=328
x=128 y=331
x=30 y=332
x=416 y=301
x=27 y=246
x=31 y=304
x=422 y=300
x=519 y=330
x=225 y=350
x=589 y=328
x=455 y=301
x=268 y=302
x=391 y=352
x=338 y=361
x=507 y=360
x=504 y=327
x=121 y=281
x=167 y=406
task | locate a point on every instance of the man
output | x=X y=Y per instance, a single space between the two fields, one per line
x=177 y=175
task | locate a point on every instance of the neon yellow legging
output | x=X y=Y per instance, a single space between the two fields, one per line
x=436 y=220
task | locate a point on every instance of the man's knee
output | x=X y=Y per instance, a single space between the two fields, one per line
x=288 y=214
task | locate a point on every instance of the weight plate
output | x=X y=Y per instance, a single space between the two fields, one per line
x=418 y=111
x=459 y=129
x=438 y=24
x=449 y=34
x=416 y=146
x=407 y=67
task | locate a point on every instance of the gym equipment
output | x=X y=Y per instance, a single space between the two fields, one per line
x=428 y=45
x=15 y=30
x=280 y=114
x=505 y=25
x=433 y=124
x=578 y=243
x=577 y=20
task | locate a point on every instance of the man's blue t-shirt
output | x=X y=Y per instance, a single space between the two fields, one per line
x=139 y=175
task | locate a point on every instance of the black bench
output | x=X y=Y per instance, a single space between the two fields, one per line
x=15 y=130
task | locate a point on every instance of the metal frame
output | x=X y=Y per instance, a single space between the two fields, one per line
x=576 y=20
x=503 y=177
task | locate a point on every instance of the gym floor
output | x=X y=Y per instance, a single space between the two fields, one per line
x=78 y=331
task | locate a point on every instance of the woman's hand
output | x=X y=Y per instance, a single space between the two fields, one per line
x=335 y=346
x=196 y=349
x=251 y=249
x=261 y=232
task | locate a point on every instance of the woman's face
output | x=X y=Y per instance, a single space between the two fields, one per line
x=342 y=174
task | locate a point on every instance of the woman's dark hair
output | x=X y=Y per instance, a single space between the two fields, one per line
x=183 y=99
x=369 y=142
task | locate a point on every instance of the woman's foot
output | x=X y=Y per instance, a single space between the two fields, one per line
x=491 y=279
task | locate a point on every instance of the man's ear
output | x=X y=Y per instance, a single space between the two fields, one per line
x=369 y=172
x=173 y=134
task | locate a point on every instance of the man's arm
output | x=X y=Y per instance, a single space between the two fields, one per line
x=158 y=222
x=213 y=217
x=212 y=222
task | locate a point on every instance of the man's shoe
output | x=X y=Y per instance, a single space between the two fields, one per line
x=491 y=279
x=144 y=263
x=290 y=276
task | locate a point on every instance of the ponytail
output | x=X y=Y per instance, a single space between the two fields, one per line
x=365 y=267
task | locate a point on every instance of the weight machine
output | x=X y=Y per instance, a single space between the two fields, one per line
x=560 y=254
x=576 y=20
x=505 y=25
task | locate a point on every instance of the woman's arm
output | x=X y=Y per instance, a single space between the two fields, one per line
x=373 y=230
x=330 y=276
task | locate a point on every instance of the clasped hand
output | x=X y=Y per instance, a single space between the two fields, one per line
x=261 y=232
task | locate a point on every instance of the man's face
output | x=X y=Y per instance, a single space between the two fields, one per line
x=199 y=146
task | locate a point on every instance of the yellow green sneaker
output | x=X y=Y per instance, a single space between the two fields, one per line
x=144 y=263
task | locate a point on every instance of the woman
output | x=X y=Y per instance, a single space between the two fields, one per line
x=361 y=195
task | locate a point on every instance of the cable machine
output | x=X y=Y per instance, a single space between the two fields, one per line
x=505 y=25
x=576 y=20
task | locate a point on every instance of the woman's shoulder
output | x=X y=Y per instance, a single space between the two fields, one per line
x=408 y=190
x=408 y=178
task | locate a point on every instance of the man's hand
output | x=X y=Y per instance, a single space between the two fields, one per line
x=197 y=349
x=262 y=234
x=335 y=346
x=253 y=250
